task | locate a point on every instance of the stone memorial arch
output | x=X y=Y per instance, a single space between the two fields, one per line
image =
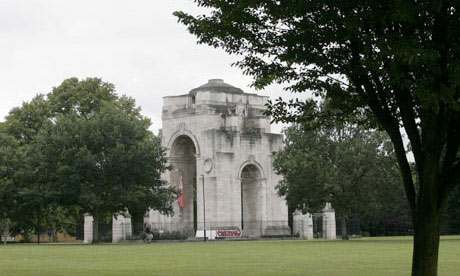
x=182 y=157
x=220 y=146
x=218 y=141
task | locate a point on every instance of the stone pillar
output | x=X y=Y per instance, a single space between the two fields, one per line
x=128 y=225
x=236 y=195
x=262 y=194
x=303 y=224
x=118 y=228
x=88 y=229
x=329 y=230
x=199 y=198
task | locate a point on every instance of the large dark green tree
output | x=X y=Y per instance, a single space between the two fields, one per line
x=397 y=62
x=343 y=164
x=87 y=148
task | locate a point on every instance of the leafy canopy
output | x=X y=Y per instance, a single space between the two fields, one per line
x=344 y=165
x=83 y=146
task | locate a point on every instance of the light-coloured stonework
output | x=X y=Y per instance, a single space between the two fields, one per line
x=217 y=134
x=220 y=146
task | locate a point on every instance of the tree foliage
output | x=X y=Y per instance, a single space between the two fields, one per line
x=344 y=165
x=84 y=147
x=396 y=62
x=9 y=164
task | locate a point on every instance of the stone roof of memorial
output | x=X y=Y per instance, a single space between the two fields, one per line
x=217 y=85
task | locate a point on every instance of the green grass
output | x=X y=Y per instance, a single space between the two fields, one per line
x=369 y=256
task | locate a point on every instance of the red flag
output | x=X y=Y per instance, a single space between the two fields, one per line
x=181 y=198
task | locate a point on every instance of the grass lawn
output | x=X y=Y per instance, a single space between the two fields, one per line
x=368 y=256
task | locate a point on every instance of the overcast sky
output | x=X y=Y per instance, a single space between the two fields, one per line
x=137 y=45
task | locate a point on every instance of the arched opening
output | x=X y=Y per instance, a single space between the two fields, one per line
x=251 y=212
x=183 y=160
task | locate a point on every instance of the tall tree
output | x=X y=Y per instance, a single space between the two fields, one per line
x=395 y=61
x=343 y=165
x=103 y=163
x=86 y=146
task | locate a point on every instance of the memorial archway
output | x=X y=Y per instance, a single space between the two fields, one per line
x=183 y=160
x=251 y=207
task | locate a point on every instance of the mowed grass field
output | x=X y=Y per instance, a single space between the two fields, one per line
x=368 y=256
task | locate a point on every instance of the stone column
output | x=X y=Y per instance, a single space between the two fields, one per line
x=128 y=224
x=303 y=224
x=264 y=223
x=88 y=229
x=199 y=202
x=236 y=195
x=118 y=228
x=329 y=229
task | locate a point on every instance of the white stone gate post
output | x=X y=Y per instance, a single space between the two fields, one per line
x=88 y=229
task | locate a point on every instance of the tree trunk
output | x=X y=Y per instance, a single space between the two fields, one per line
x=54 y=235
x=26 y=236
x=291 y=211
x=426 y=242
x=137 y=223
x=426 y=218
x=343 y=223
x=95 y=228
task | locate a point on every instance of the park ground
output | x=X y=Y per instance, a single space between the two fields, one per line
x=367 y=256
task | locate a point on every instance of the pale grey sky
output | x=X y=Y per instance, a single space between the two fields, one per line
x=137 y=45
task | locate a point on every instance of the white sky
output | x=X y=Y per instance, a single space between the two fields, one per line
x=137 y=45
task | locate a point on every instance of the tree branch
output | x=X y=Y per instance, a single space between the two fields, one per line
x=406 y=107
x=390 y=124
x=359 y=177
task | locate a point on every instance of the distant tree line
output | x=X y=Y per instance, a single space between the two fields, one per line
x=353 y=168
x=79 y=149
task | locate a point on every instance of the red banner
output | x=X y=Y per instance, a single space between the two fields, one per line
x=181 y=198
